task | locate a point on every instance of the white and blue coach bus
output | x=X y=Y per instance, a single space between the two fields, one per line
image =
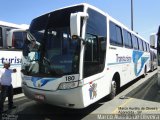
x=11 y=40
x=76 y=55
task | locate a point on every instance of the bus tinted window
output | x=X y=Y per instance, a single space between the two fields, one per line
x=95 y=47
x=140 y=44
x=135 y=42
x=148 y=47
x=38 y=25
x=91 y=49
x=115 y=35
x=144 y=46
x=96 y=27
x=1 y=38
x=18 y=39
x=127 y=39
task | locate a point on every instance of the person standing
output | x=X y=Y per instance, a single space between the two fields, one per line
x=6 y=85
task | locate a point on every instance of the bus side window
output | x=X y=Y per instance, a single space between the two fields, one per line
x=144 y=46
x=140 y=44
x=95 y=47
x=115 y=35
x=147 y=47
x=91 y=48
x=135 y=42
x=18 y=39
x=127 y=40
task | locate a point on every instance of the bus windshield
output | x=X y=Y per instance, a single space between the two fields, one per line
x=58 y=54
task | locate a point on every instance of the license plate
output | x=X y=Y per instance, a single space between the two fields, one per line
x=39 y=97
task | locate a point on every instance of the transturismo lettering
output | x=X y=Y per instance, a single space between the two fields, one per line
x=13 y=60
x=123 y=58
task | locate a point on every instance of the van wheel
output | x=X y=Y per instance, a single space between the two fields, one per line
x=113 y=90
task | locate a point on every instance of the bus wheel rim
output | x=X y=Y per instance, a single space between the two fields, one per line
x=114 y=87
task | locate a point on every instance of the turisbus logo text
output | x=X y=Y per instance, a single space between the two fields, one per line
x=13 y=60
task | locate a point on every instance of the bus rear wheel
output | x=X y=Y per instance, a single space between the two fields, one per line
x=145 y=72
x=152 y=68
x=113 y=90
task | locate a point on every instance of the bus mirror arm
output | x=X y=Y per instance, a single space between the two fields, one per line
x=83 y=41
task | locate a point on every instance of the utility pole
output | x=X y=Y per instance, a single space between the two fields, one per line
x=131 y=14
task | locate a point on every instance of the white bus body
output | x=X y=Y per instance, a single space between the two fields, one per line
x=77 y=69
x=11 y=40
x=158 y=54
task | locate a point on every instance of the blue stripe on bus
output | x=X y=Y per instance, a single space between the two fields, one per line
x=137 y=55
x=41 y=81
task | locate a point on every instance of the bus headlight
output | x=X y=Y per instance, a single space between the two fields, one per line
x=68 y=85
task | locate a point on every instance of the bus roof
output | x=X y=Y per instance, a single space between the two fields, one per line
x=83 y=4
x=7 y=24
x=86 y=5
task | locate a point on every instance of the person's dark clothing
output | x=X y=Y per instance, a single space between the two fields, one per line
x=6 y=91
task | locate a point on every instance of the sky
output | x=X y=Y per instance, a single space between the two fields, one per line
x=146 y=15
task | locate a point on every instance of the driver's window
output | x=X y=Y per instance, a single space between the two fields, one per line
x=94 y=55
x=95 y=47
x=91 y=49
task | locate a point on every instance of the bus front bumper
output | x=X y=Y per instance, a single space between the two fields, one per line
x=71 y=98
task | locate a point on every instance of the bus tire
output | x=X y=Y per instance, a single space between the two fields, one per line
x=152 y=68
x=113 y=89
x=145 y=72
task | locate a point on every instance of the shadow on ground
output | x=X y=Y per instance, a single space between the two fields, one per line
x=149 y=90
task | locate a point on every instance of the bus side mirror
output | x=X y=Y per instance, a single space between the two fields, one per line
x=153 y=40
x=75 y=23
